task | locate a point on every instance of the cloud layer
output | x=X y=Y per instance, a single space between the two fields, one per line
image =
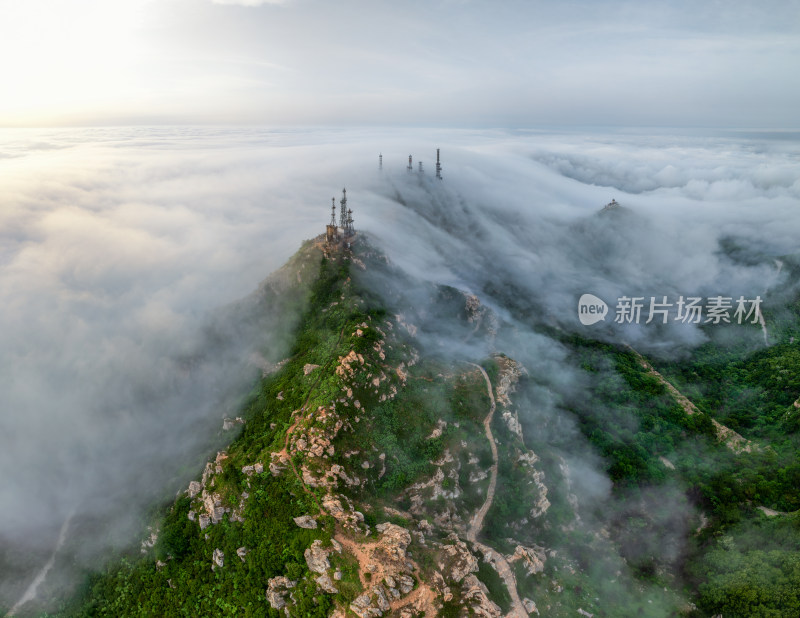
x=117 y=247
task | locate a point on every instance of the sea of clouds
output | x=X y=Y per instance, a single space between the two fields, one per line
x=118 y=245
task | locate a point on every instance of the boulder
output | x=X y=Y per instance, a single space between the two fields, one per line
x=317 y=558
x=372 y=603
x=533 y=558
x=326 y=584
x=306 y=521
x=218 y=558
x=405 y=583
x=194 y=489
x=394 y=541
x=475 y=594
x=277 y=587
x=457 y=561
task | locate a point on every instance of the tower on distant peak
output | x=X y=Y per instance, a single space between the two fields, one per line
x=438 y=166
x=350 y=229
x=410 y=166
x=343 y=210
x=420 y=167
x=380 y=161
x=330 y=229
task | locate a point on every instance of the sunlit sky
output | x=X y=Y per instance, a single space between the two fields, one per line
x=480 y=63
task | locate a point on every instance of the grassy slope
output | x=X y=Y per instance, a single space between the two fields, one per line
x=742 y=563
x=186 y=585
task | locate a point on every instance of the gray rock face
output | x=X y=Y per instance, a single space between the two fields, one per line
x=371 y=604
x=230 y=423
x=532 y=557
x=476 y=595
x=529 y=606
x=405 y=583
x=326 y=584
x=256 y=468
x=218 y=558
x=194 y=489
x=458 y=561
x=306 y=521
x=394 y=541
x=317 y=558
x=277 y=588
x=362 y=607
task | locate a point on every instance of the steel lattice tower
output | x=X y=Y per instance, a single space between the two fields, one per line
x=343 y=210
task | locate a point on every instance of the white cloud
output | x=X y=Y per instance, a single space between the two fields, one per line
x=116 y=245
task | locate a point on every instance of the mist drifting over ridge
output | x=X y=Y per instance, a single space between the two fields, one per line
x=118 y=245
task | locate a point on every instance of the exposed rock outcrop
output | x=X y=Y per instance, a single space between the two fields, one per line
x=277 y=589
x=533 y=558
x=317 y=558
x=306 y=521
x=326 y=584
x=475 y=594
x=456 y=560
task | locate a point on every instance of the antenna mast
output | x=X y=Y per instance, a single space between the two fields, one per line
x=410 y=166
x=333 y=212
x=343 y=210
x=380 y=161
x=438 y=166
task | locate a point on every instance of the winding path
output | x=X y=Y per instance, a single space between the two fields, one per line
x=477 y=519
x=496 y=558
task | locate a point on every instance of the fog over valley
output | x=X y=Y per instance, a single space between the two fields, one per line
x=125 y=254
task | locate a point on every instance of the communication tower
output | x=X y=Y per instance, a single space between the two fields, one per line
x=330 y=229
x=343 y=210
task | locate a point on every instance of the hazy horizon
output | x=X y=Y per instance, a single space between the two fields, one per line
x=447 y=63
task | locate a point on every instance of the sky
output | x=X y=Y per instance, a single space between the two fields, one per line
x=515 y=63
